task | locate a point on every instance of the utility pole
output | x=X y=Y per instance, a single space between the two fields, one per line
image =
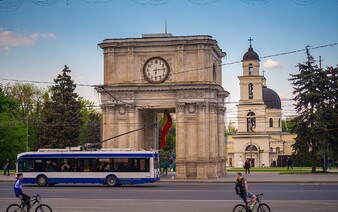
x=320 y=62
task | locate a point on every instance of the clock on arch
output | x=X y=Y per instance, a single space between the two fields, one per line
x=156 y=70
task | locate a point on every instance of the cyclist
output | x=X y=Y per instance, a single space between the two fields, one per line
x=18 y=191
x=242 y=190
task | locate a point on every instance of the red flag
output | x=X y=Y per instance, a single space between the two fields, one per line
x=167 y=122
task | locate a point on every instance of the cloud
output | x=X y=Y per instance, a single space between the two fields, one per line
x=9 y=40
x=48 y=35
x=272 y=64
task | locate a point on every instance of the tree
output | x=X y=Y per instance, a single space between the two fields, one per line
x=231 y=129
x=315 y=104
x=29 y=101
x=12 y=130
x=90 y=129
x=61 y=114
x=289 y=125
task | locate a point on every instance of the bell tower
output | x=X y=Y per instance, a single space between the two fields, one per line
x=251 y=102
x=251 y=142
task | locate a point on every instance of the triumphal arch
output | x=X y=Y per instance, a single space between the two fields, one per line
x=182 y=74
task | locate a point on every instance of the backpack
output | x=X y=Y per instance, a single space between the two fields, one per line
x=240 y=189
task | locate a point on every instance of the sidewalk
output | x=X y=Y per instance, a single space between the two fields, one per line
x=257 y=177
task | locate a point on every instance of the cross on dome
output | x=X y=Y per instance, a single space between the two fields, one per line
x=250 y=39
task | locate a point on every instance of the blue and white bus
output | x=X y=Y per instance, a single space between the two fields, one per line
x=113 y=167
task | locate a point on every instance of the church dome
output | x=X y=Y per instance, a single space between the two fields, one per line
x=250 y=55
x=271 y=99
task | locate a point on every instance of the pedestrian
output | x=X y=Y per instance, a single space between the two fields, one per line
x=289 y=163
x=247 y=166
x=171 y=162
x=242 y=189
x=7 y=168
x=165 y=167
x=18 y=191
x=329 y=163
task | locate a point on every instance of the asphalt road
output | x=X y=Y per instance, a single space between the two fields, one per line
x=177 y=197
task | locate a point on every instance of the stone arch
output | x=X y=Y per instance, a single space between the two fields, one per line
x=129 y=101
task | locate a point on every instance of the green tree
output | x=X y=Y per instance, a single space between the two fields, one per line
x=12 y=130
x=312 y=87
x=61 y=114
x=29 y=100
x=91 y=123
x=231 y=129
x=289 y=125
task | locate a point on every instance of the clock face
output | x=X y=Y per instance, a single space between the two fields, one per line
x=156 y=70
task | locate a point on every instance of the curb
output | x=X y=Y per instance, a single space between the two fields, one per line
x=251 y=181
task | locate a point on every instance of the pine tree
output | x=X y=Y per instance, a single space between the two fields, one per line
x=61 y=114
x=315 y=105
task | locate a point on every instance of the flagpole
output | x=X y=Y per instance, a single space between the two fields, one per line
x=156 y=132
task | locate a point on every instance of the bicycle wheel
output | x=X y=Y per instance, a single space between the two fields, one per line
x=14 y=208
x=239 y=208
x=263 y=208
x=43 y=207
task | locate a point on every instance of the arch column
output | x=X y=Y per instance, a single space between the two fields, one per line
x=181 y=162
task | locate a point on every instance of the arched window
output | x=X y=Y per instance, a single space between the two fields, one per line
x=278 y=150
x=270 y=122
x=279 y=123
x=251 y=121
x=250 y=91
x=254 y=148
x=214 y=72
x=250 y=69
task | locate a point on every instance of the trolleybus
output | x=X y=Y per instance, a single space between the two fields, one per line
x=113 y=167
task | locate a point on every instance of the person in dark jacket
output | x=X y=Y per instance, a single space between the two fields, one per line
x=247 y=166
x=7 y=168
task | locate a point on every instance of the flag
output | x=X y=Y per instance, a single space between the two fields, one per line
x=167 y=122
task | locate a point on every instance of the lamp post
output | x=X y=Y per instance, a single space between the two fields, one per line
x=27 y=127
x=250 y=131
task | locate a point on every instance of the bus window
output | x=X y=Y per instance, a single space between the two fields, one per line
x=144 y=164
x=51 y=164
x=86 y=165
x=140 y=164
x=26 y=165
x=122 y=165
x=66 y=165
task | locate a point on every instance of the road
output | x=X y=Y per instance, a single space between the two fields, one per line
x=177 y=197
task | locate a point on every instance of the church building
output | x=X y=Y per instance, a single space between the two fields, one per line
x=259 y=115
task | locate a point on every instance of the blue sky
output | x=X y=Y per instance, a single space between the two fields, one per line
x=36 y=41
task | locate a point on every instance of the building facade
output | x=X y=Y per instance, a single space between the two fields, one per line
x=259 y=138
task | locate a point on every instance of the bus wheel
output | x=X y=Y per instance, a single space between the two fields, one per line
x=41 y=180
x=111 y=181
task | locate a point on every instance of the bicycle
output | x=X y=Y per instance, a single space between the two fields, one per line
x=34 y=200
x=262 y=207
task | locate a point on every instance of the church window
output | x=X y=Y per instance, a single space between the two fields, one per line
x=254 y=148
x=270 y=122
x=279 y=123
x=250 y=69
x=214 y=72
x=251 y=121
x=250 y=91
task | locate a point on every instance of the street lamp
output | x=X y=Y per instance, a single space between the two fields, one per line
x=27 y=107
x=251 y=125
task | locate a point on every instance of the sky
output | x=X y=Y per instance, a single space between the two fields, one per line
x=39 y=37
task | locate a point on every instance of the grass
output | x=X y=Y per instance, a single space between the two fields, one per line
x=282 y=170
